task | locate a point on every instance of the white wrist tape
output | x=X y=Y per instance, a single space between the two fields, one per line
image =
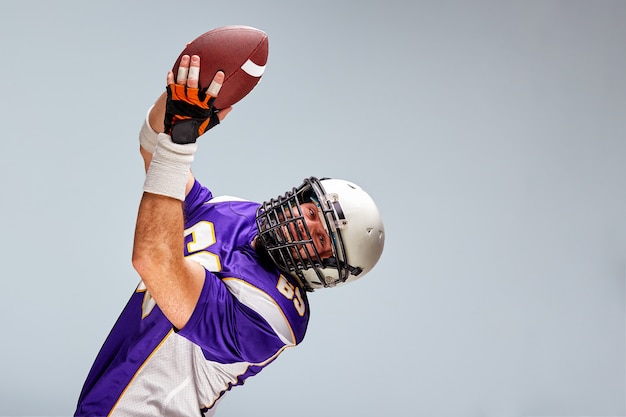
x=169 y=168
x=147 y=136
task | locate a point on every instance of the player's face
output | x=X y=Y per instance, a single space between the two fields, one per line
x=315 y=224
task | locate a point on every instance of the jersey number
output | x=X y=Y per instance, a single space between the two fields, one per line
x=203 y=236
x=293 y=293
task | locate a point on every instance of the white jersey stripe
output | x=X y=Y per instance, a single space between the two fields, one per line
x=263 y=304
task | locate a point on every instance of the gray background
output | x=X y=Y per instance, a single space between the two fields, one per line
x=491 y=133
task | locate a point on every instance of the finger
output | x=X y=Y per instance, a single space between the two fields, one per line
x=183 y=70
x=223 y=113
x=216 y=84
x=170 y=77
x=194 y=72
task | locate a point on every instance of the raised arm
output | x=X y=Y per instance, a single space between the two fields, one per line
x=172 y=280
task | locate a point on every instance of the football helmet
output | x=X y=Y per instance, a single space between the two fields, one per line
x=350 y=218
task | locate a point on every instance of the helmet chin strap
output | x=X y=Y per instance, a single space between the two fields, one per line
x=332 y=262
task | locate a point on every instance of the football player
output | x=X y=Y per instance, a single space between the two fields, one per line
x=224 y=281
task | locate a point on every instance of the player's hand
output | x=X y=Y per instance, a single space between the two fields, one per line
x=189 y=112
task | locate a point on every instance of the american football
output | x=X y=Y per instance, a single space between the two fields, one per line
x=239 y=51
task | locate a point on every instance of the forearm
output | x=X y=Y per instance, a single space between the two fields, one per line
x=158 y=243
x=158 y=251
x=173 y=282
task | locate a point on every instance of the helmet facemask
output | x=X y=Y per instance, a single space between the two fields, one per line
x=285 y=236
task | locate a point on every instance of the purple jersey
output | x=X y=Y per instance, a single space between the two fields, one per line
x=247 y=314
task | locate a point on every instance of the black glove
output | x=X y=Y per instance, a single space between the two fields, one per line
x=189 y=113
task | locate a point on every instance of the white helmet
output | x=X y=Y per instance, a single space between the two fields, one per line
x=351 y=219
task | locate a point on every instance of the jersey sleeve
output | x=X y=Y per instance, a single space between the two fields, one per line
x=229 y=330
x=197 y=196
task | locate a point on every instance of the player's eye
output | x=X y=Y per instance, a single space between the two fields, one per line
x=311 y=213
